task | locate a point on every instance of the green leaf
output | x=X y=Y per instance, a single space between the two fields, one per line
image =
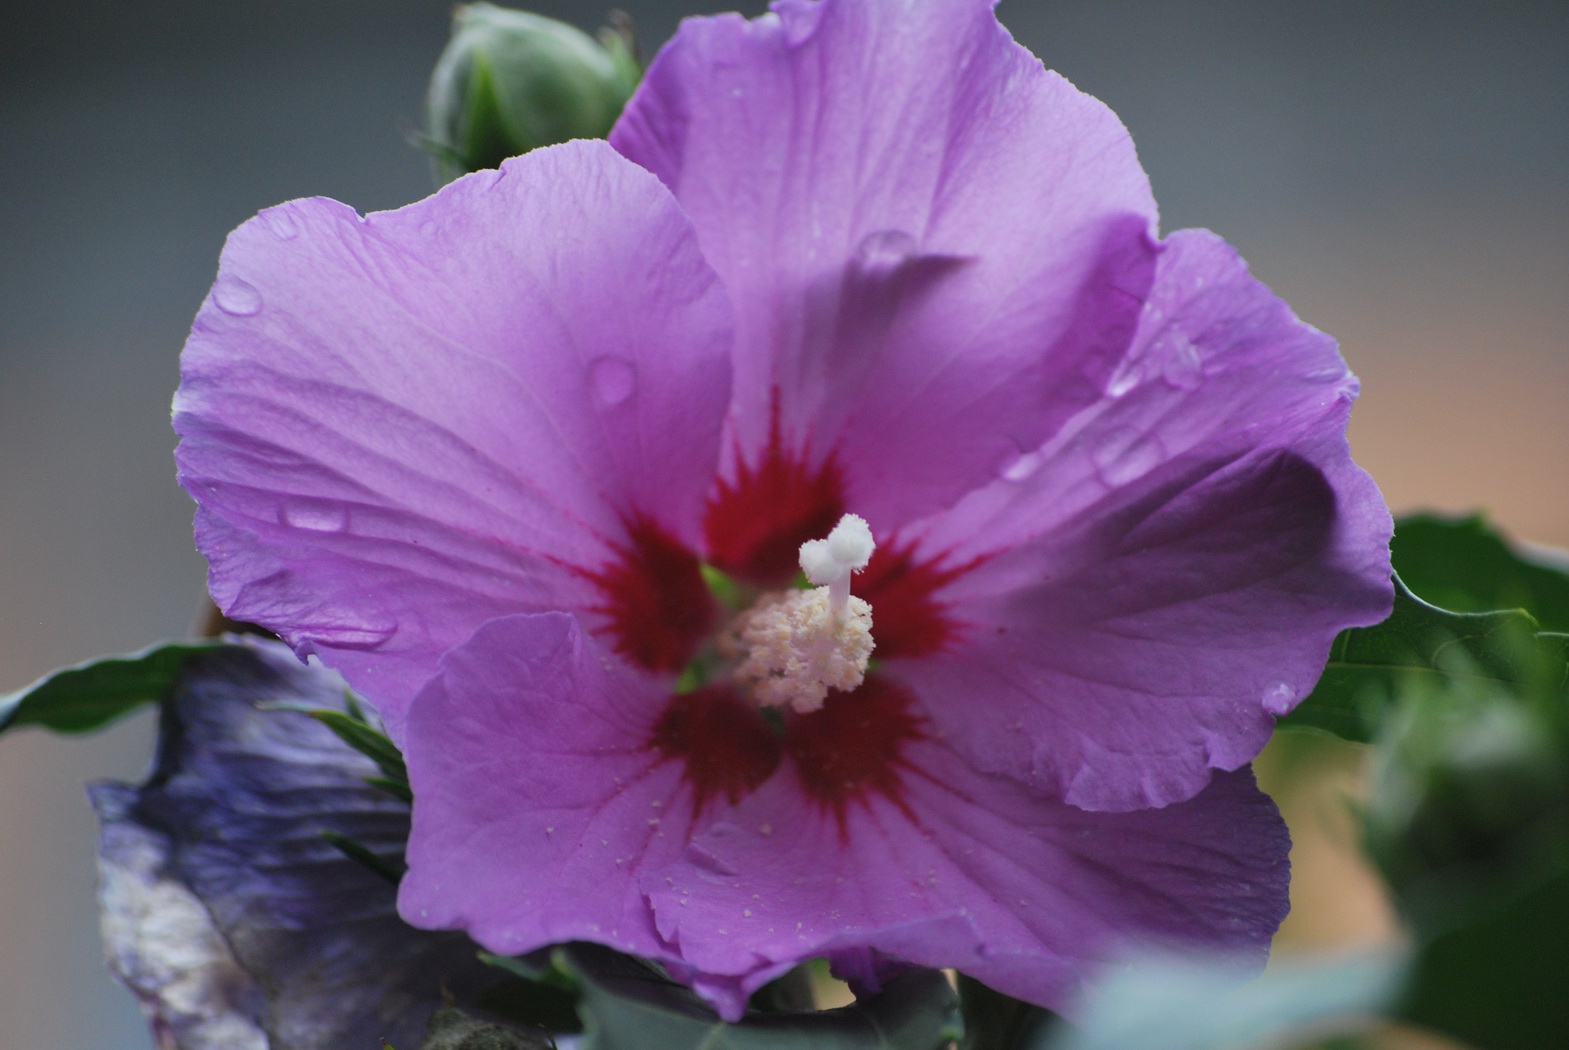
x=92 y=695
x=994 y=1021
x=1498 y=982
x=628 y=1005
x=1368 y=665
x=1465 y=564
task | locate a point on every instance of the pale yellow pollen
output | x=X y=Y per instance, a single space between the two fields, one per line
x=796 y=649
x=795 y=646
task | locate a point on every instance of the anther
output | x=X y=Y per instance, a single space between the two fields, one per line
x=795 y=646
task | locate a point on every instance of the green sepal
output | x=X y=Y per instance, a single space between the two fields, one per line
x=353 y=727
x=362 y=854
x=511 y=81
x=398 y=789
x=488 y=137
x=92 y=695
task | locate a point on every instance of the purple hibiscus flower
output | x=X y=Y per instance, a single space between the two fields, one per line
x=531 y=462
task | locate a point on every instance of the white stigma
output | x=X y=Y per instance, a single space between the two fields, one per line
x=829 y=563
x=797 y=645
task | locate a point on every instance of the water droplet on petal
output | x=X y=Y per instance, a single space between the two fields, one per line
x=1184 y=366
x=280 y=223
x=360 y=634
x=314 y=515
x=1128 y=375
x=1021 y=467
x=1126 y=453
x=1279 y=698
x=236 y=297
x=884 y=250
x=614 y=379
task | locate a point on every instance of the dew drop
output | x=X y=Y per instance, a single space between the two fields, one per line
x=280 y=223
x=1124 y=454
x=1183 y=367
x=314 y=515
x=1278 y=698
x=361 y=634
x=1021 y=467
x=614 y=379
x=884 y=250
x=236 y=297
x=1128 y=375
x=1327 y=374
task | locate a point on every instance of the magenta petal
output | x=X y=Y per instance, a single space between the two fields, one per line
x=936 y=248
x=977 y=873
x=537 y=797
x=402 y=425
x=1166 y=575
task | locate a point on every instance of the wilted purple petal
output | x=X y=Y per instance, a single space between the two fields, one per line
x=162 y=942
x=936 y=248
x=300 y=942
x=400 y=425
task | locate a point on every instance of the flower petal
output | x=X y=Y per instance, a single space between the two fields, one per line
x=227 y=910
x=978 y=873
x=539 y=795
x=1147 y=590
x=162 y=942
x=402 y=425
x=936 y=248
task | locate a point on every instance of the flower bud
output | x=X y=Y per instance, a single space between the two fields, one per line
x=511 y=81
x=1470 y=801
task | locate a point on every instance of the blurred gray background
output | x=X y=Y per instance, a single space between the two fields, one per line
x=1396 y=170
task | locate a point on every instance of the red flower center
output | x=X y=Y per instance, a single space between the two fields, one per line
x=845 y=754
x=853 y=748
x=724 y=742
x=659 y=613
x=757 y=522
x=657 y=608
